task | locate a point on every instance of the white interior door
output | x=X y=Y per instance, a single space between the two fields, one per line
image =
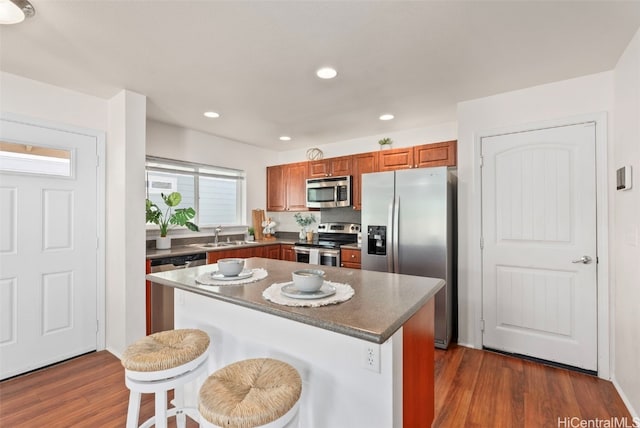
x=538 y=221
x=48 y=246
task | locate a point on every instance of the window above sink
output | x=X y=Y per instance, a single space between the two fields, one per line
x=215 y=193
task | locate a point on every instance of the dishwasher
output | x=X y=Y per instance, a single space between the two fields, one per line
x=161 y=304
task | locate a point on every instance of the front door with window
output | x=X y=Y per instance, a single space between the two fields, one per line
x=48 y=246
x=539 y=237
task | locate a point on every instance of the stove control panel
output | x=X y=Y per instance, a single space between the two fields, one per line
x=339 y=228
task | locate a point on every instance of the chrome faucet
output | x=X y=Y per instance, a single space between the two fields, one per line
x=216 y=231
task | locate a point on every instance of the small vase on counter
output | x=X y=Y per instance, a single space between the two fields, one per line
x=302 y=236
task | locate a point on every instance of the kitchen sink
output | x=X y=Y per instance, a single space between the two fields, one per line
x=223 y=244
x=214 y=245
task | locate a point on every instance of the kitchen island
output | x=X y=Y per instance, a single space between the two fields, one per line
x=366 y=362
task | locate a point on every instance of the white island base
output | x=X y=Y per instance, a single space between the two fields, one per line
x=347 y=382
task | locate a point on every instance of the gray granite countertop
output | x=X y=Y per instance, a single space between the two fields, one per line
x=351 y=246
x=382 y=303
x=183 y=250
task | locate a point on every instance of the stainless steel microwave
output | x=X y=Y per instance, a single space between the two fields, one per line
x=329 y=192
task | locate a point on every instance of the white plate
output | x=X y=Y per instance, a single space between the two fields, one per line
x=290 y=290
x=242 y=275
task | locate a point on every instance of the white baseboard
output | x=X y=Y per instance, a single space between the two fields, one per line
x=466 y=345
x=116 y=354
x=625 y=400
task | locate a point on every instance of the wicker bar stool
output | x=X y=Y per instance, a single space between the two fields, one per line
x=260 y=392
x=161 y=362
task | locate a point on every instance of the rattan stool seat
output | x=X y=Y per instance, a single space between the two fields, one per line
x=165 y=350
x=249 y=393
x=164 y=361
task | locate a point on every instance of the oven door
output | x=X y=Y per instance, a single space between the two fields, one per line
x=326 y=257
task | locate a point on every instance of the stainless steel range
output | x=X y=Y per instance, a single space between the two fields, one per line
x=325 y=250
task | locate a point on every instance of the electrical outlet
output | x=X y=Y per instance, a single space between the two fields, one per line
x=371 y=357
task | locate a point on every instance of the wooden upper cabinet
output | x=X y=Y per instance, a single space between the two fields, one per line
x=286 y=187
x=392 y=159
x=438 y=154
x=296 y=194
x=330 y=167
x=286 y=184
x=276 y=188
x=361 y=164
x=426 y=155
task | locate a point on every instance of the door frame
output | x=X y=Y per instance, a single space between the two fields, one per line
x=602 y=225
x=100 y=139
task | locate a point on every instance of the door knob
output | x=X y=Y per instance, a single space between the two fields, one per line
x=584 y=260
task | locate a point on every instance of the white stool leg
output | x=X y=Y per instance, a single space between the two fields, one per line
x=133 y=414
x=161 y=409
x=178 y=402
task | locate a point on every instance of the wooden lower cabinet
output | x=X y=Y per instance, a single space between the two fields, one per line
x=147 y=294
x=272 y=252
x=287 y=253
x=350 y=258
x=265 y=251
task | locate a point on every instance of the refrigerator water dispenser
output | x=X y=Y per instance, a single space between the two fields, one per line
x=377 y=240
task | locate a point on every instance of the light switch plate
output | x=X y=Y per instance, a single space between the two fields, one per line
x=624 y=178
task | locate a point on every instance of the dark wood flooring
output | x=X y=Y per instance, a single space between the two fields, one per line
x=473 y=389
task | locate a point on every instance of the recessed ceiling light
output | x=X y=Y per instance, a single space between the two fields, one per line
x=285 y=138
x=212 y=114
x=386 y=116
x=15 y=11
x=326 y=73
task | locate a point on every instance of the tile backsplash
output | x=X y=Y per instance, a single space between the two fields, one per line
x=286 y=222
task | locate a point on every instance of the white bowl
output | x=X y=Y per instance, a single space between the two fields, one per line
x=230 y=267
x=308 y=280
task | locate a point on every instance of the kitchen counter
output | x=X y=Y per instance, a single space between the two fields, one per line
x=366 y=362
x=183 y=250
x=351 y=246
x=382 y=301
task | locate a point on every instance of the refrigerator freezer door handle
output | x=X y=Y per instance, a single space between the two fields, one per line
x=396 y=236
x=390 y=232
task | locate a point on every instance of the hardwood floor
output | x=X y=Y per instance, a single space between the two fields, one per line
x=473 y=389
x=484 y=389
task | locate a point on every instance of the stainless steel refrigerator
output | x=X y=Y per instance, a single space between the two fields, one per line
x=408 y=226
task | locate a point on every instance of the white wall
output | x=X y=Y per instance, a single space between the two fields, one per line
x=173 y=142
x=125 y=295
x=625 y=245
x=50 y=103
x=580 y=96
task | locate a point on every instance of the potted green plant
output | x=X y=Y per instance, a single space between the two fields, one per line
x=170 y=218
x=385 y=143
x=304 y=222
x=250 y=234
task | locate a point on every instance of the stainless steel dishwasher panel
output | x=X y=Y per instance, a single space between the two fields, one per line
x=162 y=296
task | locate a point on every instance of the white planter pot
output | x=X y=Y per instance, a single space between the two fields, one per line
x=163 y=243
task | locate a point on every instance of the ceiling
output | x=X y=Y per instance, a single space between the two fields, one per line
x=254 y=62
